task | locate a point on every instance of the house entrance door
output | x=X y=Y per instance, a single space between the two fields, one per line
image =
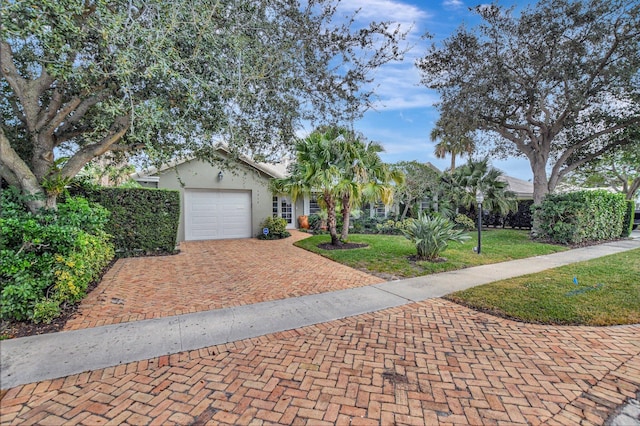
x=286 y=211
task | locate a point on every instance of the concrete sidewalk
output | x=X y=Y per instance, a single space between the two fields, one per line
x=37 y=358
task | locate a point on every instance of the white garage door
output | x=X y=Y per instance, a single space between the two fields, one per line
x=214 y=215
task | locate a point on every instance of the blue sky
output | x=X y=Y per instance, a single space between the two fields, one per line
x=405 y=115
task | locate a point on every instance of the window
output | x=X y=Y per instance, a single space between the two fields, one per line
x=314 y=207
x=274 y=208
x=286 y=210
x=425 y=204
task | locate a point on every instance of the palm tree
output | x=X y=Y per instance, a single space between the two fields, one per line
x=343 y=170
x=451 y=141
x=367 y=178
x=479 y=175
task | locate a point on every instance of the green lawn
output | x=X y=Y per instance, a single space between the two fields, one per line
x=388 y=255
x=608 y=293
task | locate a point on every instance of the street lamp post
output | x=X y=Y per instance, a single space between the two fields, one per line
x=479 y=199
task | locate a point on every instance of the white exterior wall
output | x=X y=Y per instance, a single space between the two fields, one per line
x=197 y=174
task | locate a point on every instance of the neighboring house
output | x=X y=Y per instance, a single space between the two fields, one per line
x=225 y=202
x=522 y=188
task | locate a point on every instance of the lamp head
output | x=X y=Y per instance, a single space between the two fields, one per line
x=479 y=196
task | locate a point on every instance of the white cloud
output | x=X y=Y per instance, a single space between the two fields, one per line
x=452 y=4
x=387 y=10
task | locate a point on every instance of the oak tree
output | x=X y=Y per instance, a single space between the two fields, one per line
x=85 y=78
x=553 y=83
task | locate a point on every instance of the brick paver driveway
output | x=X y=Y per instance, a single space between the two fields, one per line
x=425 y=363
x=209 y=275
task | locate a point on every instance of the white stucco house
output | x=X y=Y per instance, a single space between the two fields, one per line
x=231 y=202
x=225 y=202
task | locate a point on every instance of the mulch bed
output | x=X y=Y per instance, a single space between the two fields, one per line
x=342 y=246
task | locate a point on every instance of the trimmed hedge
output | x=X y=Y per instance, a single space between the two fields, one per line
x=143 y=221
x=627 y=224
x=582 y=216
x=522 y=219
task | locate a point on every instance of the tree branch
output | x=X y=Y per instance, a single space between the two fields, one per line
x=89 y=152
x=27 y=91
x=79 y=108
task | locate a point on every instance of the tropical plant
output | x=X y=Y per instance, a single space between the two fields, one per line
x=342 y=170
x=451 y=140
x=432 y=234
x=366 y=178
x=479 y=175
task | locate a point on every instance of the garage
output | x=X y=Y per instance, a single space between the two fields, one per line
x=217 y=214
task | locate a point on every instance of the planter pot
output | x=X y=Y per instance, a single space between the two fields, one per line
x=303 y=222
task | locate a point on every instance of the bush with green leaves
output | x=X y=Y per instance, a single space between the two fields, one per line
x=582 y=216
x=277 y=227
x=464 y=222
x=49 y=259
x=392 y=227
x=143 y=221
x=432 y=235
x=627 y=224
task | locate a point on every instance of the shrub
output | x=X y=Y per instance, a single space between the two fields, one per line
x=627 y=223
x=392 y=227
x=431 y=235
x=522 y=219
x=48 y=260
x=465 y=223
x=143 y=221
x=277 y=227
x=582 y=216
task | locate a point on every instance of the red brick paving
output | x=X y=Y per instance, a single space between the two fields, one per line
x=427 y=363
x=208 y=275
x=432 y=362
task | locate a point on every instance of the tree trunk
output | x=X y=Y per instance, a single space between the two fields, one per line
x=331 y=219
x=404 y=211
x=15 y=171
x=346 y=213
x=540 y=190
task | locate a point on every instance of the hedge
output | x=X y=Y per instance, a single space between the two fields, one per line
x=521 y=219
x=144 y=221
x=627 y=224
x=582 y=216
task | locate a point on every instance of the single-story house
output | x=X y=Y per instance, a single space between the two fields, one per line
x=220 y=202
x=522 y=188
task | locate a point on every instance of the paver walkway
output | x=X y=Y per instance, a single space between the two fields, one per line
x=244 y=272
x=432 y=362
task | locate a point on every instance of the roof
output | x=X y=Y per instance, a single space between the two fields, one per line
x=277 y=170
x=522 y=188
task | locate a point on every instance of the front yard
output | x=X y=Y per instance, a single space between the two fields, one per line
x=603 y=291
x=390 y=256
x=599 y=292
